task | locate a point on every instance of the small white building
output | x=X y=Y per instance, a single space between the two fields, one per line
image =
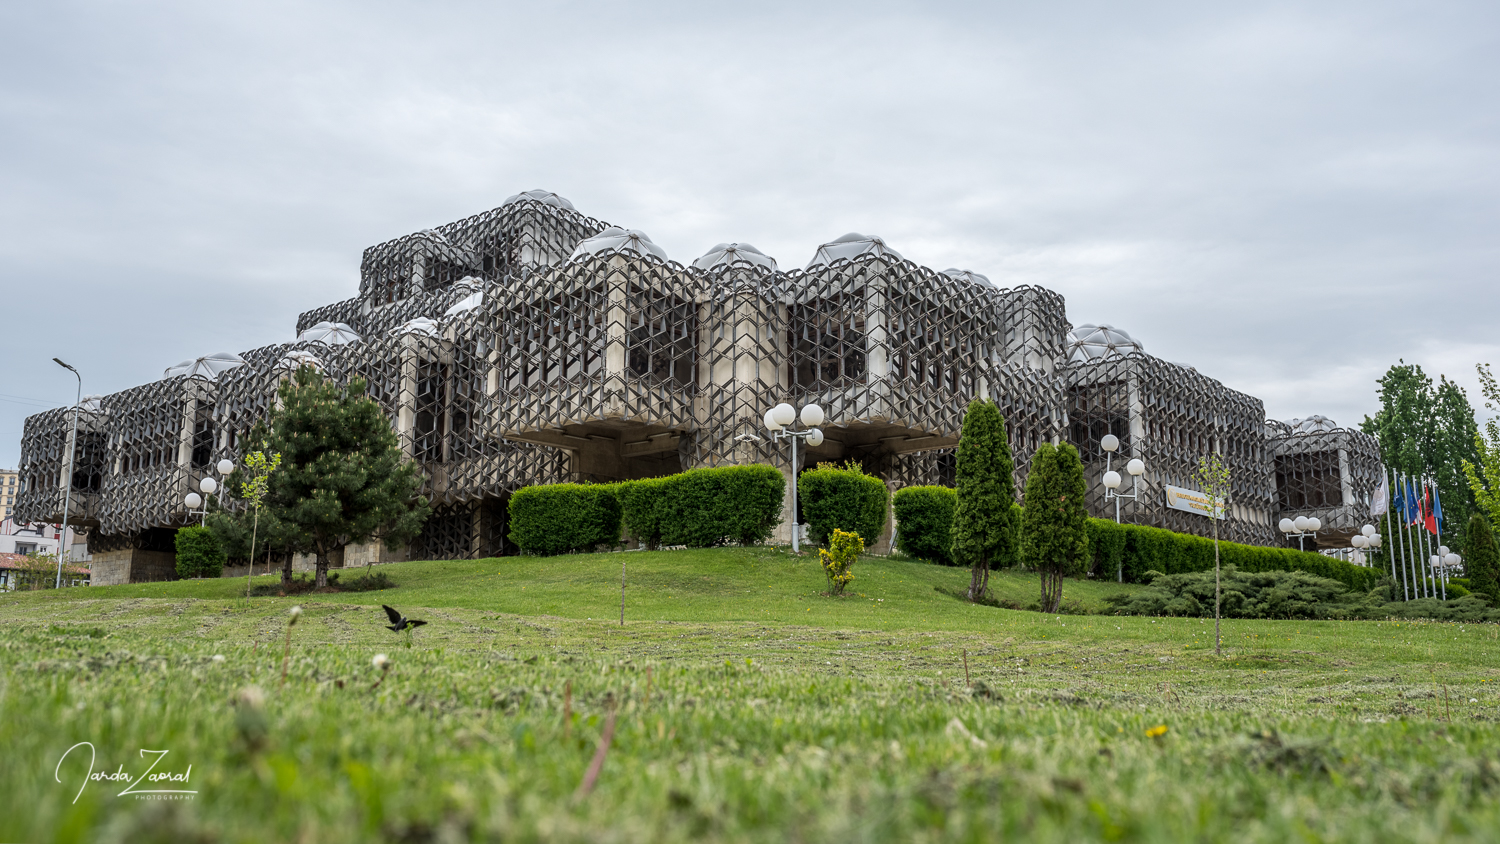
x=40 y=539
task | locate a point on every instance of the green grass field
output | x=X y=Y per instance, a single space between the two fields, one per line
x=748 y=707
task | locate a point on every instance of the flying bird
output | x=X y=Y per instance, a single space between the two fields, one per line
x=400 y=622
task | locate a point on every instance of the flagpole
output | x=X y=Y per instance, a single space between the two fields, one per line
x=1427 y=571
x=1391 y=545
x=1437 y=523
x=1411 y=563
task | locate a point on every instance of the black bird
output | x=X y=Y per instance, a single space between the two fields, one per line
x=400 y=622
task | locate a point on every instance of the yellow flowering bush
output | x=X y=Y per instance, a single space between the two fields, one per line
x=844 y=547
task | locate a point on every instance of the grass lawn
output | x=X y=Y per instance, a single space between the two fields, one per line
x=748 y=707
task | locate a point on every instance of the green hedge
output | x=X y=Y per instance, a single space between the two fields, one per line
x=563 y=518
x=1139 y=549
x=842 y=498
x=706 y=507
x=640 y=508
x=198 y=553
x=924 y=522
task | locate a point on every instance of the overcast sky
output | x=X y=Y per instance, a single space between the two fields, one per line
x=1288 y=196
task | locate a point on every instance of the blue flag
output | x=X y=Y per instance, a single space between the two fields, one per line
x=1437 y=510
x=1413 y=508
x=1398 y=502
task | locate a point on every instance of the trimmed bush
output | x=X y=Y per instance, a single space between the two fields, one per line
x=842 y=498
x=1140 y=549
x=564 y=518
x=702 y=508
x=640 y=508
x=924 y=522
x=198 y=553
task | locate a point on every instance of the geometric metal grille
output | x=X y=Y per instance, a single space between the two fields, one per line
x=1324 y=471
x=533 y=344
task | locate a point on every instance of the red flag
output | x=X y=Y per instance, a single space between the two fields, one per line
x=1428 y=516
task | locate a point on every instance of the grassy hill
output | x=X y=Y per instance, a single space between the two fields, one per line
x=748 y=707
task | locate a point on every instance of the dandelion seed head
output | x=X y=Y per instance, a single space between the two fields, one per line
x=381 y=661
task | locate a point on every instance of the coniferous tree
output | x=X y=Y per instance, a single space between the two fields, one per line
x=984 y=532
x=343 y=477
x=1482 y=560
x=1054 y=521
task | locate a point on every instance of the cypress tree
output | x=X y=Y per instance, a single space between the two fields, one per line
x=983 y=530
x=1054 y=522
x=343 y=477
x=1482 y=560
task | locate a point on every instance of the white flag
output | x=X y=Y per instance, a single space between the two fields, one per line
x=1382 y=497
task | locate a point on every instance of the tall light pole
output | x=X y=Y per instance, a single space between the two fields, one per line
x=1301 y=527
x=778 y=420
x=209 y=486
x=67 y=479
x=1136 y=467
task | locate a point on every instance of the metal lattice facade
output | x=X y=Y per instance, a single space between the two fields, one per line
x=532 y=344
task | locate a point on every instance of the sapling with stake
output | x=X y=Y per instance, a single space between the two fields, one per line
x=295 y=613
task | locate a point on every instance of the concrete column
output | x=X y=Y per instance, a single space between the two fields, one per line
x=406 y=396
x=1345 y=486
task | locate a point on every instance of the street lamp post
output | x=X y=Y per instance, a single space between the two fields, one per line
x=1136 y=467
x=1367 y=538
x=779 y=420
x=62 y=542
x=1301 y=527
x=194 y=501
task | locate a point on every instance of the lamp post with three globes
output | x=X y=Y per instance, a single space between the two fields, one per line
x=194 y=501
x=1367 y=538
x=1301 y=527
x=1136 y=467
x=779 y=420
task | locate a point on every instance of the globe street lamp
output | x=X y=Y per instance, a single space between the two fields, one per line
x=1136 y=467
x=779 y=420
x=1300 y=527
x=194 y=501
x=1367 y=538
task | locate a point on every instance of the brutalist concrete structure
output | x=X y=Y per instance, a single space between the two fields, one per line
x=533 y=344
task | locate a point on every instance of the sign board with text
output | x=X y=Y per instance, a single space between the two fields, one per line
x=1190 y=500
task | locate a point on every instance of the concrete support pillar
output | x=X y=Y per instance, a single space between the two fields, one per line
x=406 y=397
x=1346 y=487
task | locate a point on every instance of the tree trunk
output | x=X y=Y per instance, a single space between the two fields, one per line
x=322 y=579
x=979 y=580
x=1051 y=590
x=1218 y=642
x=286 y=570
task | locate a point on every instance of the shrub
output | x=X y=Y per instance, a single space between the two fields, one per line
x=1285 y=595
x=842 y=498
x=924 y=522
x=844 y=548
x=1138 y=550
x=1054 y=523
x=198 y=553
x=640 y=508
x=701 y=508
x=563 y=518
x=984 y=532
x=1482 y=560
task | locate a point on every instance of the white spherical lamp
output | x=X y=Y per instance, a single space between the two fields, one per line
x=815 y=437
x=1314 y=524
x=193 y=500
x=1301 y=523
x=1368 y=530
x=784 y=414
x=1450 y=560
x=1286 y=526
x=209 y=486
x=1375 y=541
x=1442 y=550
x=1111 y=480
x=1136 y=466
x=1110 y=443
x=225 y=466
x=770 y=420
x=812 y=416
x=1359 y=540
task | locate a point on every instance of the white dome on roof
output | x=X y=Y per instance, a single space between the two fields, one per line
x=1091 y=342
x=1315 y=424
x=329 y=334
x=420 y=325
x=546 y=197
x=728 y=253
x=969 y=276
x=297 y=358
x=93 y=403
x=852 y=245
x=616 y=239
x=207 y=367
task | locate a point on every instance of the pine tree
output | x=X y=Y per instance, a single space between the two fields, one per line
x=1054 y=521
x=343 y=478
x=1482 y=560
x=983 y=530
